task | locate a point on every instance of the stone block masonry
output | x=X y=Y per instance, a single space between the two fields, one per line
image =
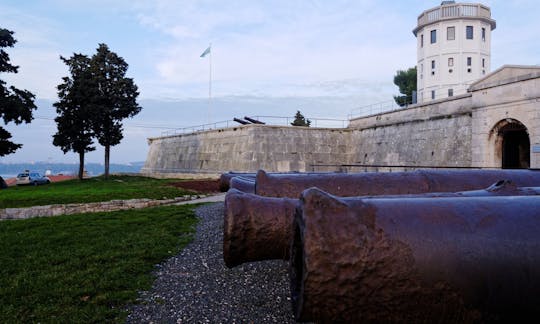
x=69 y=209
x=247 y=148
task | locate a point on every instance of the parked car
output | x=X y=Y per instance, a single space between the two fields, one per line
x=31 y=178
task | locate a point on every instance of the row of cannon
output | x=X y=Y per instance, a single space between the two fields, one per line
x=426 y=245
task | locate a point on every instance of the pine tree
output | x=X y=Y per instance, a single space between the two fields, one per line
x=406 y=82
x=15 y=105
x=75 y=109
x=300 y=120
x=116 y=98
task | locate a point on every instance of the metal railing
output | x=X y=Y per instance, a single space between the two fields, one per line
x=267 y=120
x=391 y=105
x=199 y=128
x=454 y=10
x=315 y=122
x=377 y=108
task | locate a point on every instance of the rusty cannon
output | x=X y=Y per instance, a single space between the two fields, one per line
x=244 y=184
x=412 y=260
x=389 y=183
x=258 y=228
x=225 y=179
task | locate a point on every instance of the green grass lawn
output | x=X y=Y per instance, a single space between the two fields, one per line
x=89 y=190
x=85 y=267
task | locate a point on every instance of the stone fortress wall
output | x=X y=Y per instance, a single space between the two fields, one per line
x=461 y=131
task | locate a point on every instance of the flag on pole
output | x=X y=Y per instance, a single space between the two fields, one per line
x=206 y=51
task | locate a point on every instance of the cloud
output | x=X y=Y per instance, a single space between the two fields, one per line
x=36 y=52
x=274 y=50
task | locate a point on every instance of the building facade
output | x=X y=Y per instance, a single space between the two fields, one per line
x=453 y=49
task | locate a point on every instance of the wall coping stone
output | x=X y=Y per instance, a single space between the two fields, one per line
x=95 y=207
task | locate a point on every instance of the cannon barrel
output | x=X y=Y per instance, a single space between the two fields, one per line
x=259 y=228
x=225 y=179
x=389 y=183
x=255 y=229
x=427 y=260
x=243 y=184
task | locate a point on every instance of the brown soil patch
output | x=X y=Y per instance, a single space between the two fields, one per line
x=201 y=186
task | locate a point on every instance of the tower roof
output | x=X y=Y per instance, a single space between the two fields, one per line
x=450 y=10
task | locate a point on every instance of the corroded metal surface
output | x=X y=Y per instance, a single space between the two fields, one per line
x=225 y=179
x=243 y=184
x=263 y=223
x=256 y=228
x=412 y=260
x=390 y=183
x=500 y=188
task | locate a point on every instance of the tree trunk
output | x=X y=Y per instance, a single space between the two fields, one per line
x=81 y=165
x=107 y=157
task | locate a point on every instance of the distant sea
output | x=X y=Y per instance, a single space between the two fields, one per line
x=10 y=170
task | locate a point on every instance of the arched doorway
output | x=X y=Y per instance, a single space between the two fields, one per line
x=513 y=143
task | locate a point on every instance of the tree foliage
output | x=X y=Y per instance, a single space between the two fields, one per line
x=15 y=105
x=300 y=120
x=406 y=82
x=93 y=103
x=74 y=108
x=116 y=98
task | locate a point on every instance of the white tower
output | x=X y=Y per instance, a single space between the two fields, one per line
x=454 y=48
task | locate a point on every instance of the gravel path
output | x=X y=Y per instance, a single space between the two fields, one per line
x=196 y=286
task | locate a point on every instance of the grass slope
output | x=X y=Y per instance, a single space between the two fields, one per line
x=85 y=267
x=89 y=190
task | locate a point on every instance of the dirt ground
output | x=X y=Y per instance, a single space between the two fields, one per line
x=201 y=186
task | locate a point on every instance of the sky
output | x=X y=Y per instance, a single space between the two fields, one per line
x=269 y=58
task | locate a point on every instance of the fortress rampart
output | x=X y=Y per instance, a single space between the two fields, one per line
x=494 y=125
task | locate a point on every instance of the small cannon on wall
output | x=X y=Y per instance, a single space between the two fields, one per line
x=415 y=259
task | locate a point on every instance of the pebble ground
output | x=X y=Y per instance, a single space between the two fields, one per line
x=196 y=287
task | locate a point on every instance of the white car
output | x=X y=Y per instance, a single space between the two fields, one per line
x=31 y=178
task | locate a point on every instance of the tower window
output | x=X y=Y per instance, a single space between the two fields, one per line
x=432 y=94
x=469 y=61
x=451 y=33
x=483 y=62
x=450 y=61
x=450 y=92
x=469 y=32
x=483 y=34
x=433 y=36
x=422 y=40
x=433 y=64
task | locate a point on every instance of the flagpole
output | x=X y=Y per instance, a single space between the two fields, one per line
x=210 y=83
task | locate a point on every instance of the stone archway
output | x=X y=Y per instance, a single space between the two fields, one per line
x=512 y=144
